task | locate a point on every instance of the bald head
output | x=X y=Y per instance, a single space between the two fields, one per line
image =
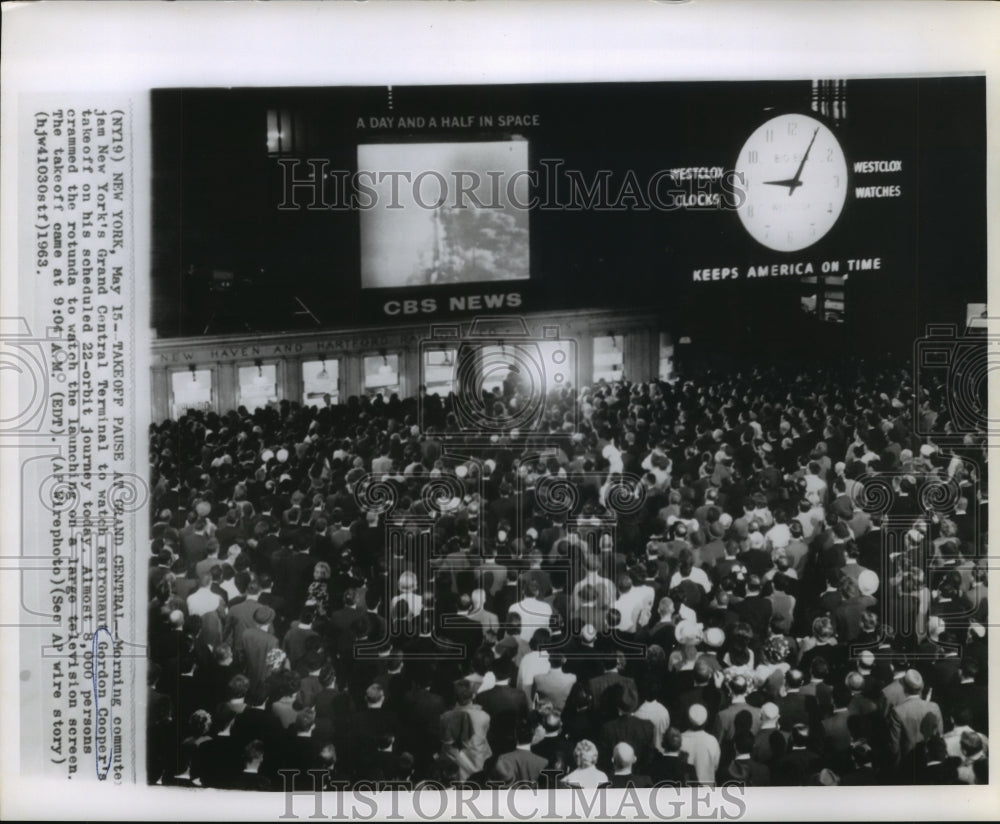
x=623 y=756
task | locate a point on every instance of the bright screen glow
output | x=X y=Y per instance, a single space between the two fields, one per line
x=444 y=213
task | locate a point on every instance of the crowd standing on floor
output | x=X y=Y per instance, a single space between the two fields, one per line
x=771 y=577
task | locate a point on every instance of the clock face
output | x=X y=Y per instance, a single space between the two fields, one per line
x=795 y=178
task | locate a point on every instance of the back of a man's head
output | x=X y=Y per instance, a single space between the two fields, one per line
x=913 y=682
x=503 y=668
x=743 y=742
x=374 y=695
x=623 y=756
x=702 y=671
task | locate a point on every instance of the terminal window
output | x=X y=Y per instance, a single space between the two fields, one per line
x=257 y=386
x=191 y=389
x=382 y=374
x=320 y=380
x=609 y=359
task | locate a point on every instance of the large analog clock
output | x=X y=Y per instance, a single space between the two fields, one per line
x=795 y=179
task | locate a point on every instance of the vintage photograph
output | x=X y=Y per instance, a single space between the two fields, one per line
x=569 y=435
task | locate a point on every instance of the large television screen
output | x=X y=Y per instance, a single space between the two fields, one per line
x=442 y=213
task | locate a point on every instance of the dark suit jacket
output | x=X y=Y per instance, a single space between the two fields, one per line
x=367 y=726
x=747 y=772
x=905 y=720
x=945 y=772
x=672 y=769
x=520 y=765
x=756 y=610
x=462 y=630
x=421 y=734
x=836 y=735
x=253 y=648
x=795 y=768
x=640 y=782
x=637 y=732
x=506 y=706
x=796 y=708
x=599 y=684
x=976 y=698
x=557 y=750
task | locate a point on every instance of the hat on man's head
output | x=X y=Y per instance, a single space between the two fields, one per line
x=203 y=509
x=854 y=681
x=588 y=633
x=716 y=530
x=688 y=632
x=697 y=715
x=913 y=681
x=868 y=582
x=263 y=615
x=715 y=637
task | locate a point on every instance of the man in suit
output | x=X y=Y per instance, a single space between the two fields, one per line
x=609 y=678
x=478 y=612
x=554 y=746
x=240 y=616
x=836 y=731
x=506 y=706
x=744 y=768
x=194 y=542
x=968 y=693
x=860 y=703
x=755 y=609
x=672 y=766
x=368 y=727
x=725 y=723
x=461 y=628
x=553 y=687
x=422 y=709
x=623 y=760
x=939 y=768
x=520 y=764
x=906 y=719
x=638 y=733
x=301 y=638
x=301 y=747
x=268 y=598
x=794 y=706
x=770 y=742
x=255 y=644
x=797 y=766
x=341 y=624
x=300 y=571
x=703 y=691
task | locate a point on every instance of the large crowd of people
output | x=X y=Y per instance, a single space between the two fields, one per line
x=770 y=576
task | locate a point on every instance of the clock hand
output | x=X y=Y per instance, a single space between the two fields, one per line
x=805 y=157
x=792 y=183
